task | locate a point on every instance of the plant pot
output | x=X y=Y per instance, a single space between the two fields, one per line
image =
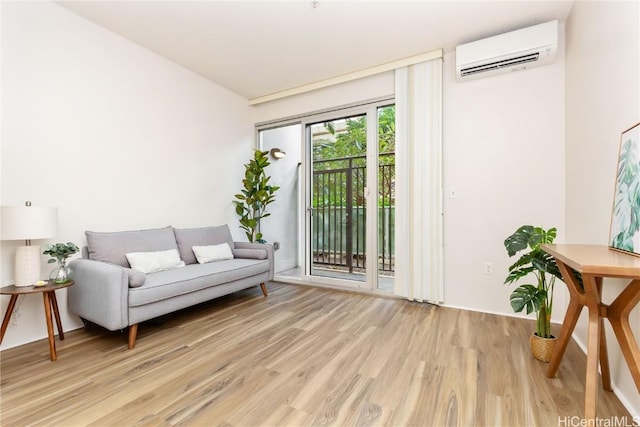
x=542 y=348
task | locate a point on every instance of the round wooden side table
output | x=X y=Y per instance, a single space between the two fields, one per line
x=48 y=292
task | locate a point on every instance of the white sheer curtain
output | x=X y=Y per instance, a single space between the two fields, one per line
x=418 y=254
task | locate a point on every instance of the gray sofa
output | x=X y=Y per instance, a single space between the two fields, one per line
x=109 y=293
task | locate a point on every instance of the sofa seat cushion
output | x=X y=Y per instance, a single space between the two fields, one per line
x=169 y=283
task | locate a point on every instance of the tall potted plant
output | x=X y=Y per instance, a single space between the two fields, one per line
x=538 y=296
x=256 y=194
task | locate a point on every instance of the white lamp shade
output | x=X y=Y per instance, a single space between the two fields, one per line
x=28 y=222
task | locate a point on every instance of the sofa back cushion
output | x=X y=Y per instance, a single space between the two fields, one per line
x=187 y=238
x=112 y=246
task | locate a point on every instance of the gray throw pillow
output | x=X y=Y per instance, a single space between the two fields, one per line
x=136 y=278
x=250 y=253
x=204 y=236
x=112 y=246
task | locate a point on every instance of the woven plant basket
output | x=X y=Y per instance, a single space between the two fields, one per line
x=542 y=348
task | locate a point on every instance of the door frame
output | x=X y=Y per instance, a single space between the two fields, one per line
x=370 y=110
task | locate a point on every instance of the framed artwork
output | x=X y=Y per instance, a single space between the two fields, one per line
x=625 y=217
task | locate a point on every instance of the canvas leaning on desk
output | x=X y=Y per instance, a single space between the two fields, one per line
x=625 y=217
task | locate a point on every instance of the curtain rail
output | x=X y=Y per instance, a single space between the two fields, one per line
x=389 y=66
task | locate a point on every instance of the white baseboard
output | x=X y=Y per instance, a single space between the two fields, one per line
x=514 y=315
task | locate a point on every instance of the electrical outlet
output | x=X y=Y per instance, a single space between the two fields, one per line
x=488 y=268
x=276 y=246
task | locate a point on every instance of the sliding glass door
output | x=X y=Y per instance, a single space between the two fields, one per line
x=338 y=209
x=350 y=197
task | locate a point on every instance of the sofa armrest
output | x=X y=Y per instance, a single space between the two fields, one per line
x=264 y=247
x=100 y=293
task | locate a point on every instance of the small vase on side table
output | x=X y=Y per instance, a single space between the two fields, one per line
x=59 y=252
x=60 y=274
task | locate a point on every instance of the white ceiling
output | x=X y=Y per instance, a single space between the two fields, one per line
x=255 y=48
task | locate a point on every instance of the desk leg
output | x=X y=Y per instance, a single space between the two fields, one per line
x=604 y=353
x=570 y=319
x=618 y=314
x=604 y=359
x=56 y=313
x=593 y=346
x=7 y=315
x=568 y=325
x=47 y=315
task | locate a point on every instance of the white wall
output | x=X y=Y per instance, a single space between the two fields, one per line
x=504 y=158
x=113 y=135
x=602 y=100
x=283 y=224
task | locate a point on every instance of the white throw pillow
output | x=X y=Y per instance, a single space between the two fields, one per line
x=152 y=262
x=206 y=254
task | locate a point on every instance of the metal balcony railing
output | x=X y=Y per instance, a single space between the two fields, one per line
x=339 y=213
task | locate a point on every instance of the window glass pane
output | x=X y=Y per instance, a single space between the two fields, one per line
x=386 y=196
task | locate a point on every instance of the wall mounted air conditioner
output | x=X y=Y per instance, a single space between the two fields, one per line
x=513 y=51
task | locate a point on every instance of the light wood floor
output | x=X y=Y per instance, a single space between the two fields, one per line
x=303 y=356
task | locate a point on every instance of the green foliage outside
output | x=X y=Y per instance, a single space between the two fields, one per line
x=626 y=210
x=342 y=144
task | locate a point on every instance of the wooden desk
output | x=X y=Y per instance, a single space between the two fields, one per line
x=48 y=292
x=596 y=262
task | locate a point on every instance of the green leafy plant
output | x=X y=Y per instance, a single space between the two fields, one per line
x=537 y=297
x=256 y=194
x=59 y=252
x=342 y=144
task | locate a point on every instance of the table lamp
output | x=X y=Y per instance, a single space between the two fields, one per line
x=27 y=223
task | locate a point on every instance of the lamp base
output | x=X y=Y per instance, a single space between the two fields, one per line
x=27 y=271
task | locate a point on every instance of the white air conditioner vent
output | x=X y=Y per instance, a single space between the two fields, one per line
x=517 y=50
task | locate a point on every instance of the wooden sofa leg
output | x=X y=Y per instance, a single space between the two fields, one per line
x=264 y=289
x=133 y=331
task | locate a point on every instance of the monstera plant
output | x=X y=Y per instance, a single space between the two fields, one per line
x=254 y=197
x=534 y=263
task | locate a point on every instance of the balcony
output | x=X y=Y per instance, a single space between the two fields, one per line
x=339 y=216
